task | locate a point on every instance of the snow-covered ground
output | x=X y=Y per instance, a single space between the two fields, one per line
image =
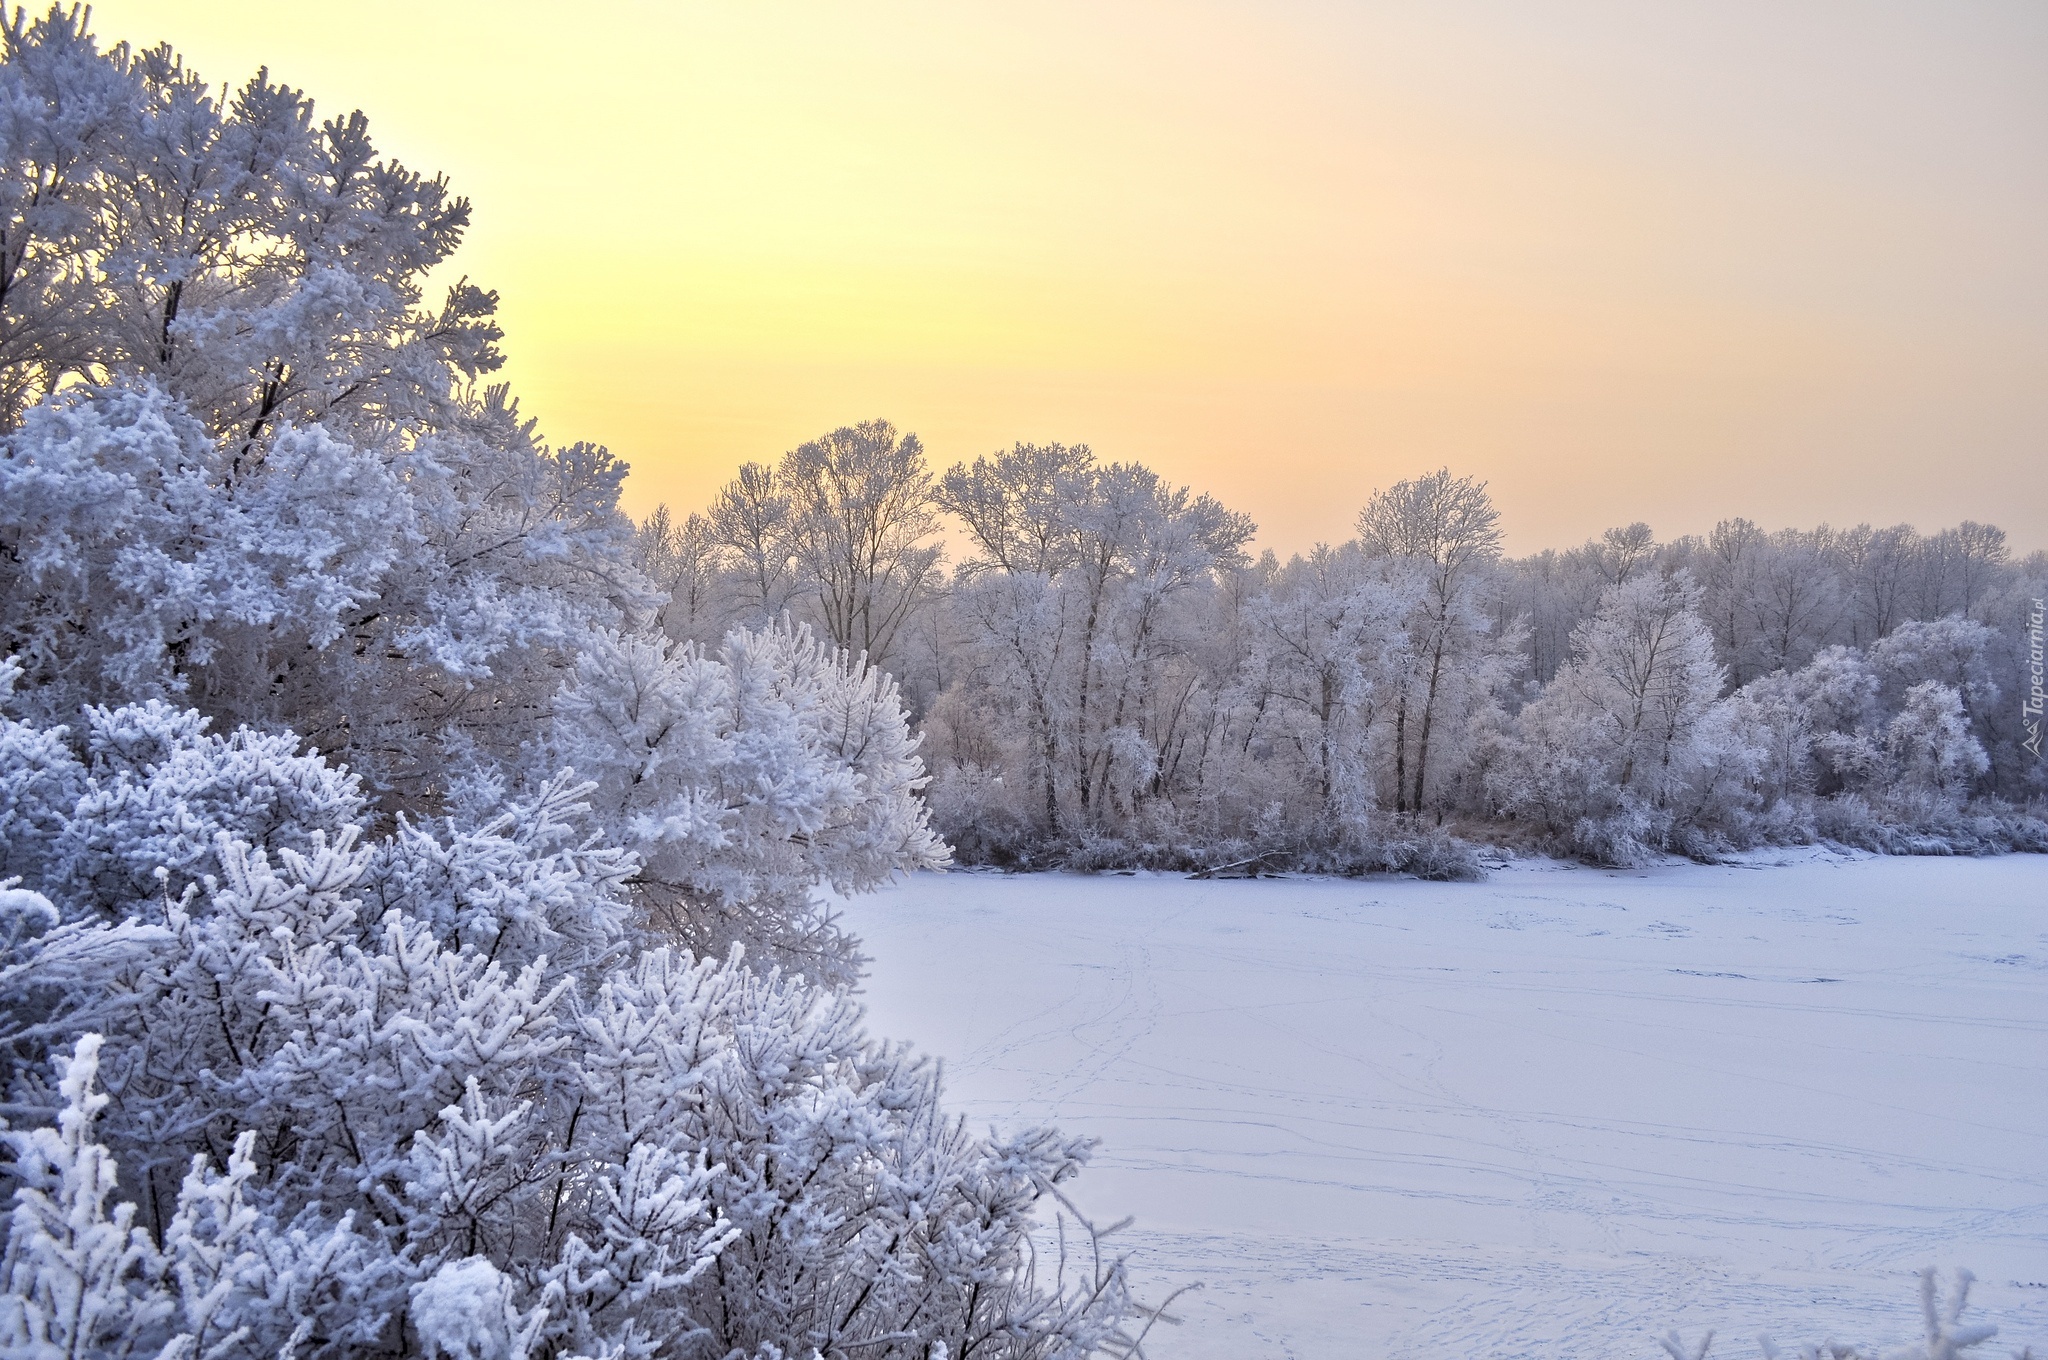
x=1546 y=1115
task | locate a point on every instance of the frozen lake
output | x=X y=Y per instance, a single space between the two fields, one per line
x=1547 y=1115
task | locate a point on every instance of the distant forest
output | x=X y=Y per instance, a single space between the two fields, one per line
x=1108 y=678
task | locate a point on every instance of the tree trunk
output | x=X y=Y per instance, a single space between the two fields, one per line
x=1401 y=753
x=1436 y=667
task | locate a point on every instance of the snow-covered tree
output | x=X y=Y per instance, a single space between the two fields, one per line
x=684 y=563
x=744 y=779
x=1551 y=593
x=1949 y=651
x=840 y=532
x=441 y=1048
x=1089 y=704
x=244 y=461
x=1447 y=530
x=1928 y=745
x=1876 y=568
x=862 y=523
x=1607 y=751
x=1325 y=669
x=1080 y=622
x=752 y=524
x=67 y=112
x=1773 y=718
x=263 y=266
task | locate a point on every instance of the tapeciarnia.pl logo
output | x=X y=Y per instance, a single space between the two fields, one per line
x=2030 y=712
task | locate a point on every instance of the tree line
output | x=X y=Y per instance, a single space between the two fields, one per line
x=1107 y=676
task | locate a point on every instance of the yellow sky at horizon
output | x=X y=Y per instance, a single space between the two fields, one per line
x=1670 y=262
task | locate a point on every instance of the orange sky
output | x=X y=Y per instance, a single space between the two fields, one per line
x=1669 y=262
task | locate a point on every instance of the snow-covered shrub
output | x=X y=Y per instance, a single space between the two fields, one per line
x=745 y=778
x=219 y=1279
x=742 y=780
x=856 y=1207
x=41 y=778
x=1929 y=825
x=529 y=881
x=1434 y=855
x=158 y=791
x=127 y=805
x=985 y=816
x=72 y=1267
x=1945 y=1336
x=465 y=1311
x=452 y=1085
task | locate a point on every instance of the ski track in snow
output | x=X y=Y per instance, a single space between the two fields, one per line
x=1553 y=1114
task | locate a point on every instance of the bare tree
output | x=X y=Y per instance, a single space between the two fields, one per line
x=1625 y=553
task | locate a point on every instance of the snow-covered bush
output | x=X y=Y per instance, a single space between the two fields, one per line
x=318 y=1096
x=1899 y=825
x=1870 y=750
x=40 y=781
x=743 y=779
x=159 y=788
x=516 y=880
x=1946 y=1335
x=218 y=1279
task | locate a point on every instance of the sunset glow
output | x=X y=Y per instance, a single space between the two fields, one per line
x=1622 y=261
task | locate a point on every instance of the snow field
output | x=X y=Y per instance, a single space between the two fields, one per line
x=1550 y=1114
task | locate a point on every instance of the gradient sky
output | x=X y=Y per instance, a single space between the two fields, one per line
x=1663 y=261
